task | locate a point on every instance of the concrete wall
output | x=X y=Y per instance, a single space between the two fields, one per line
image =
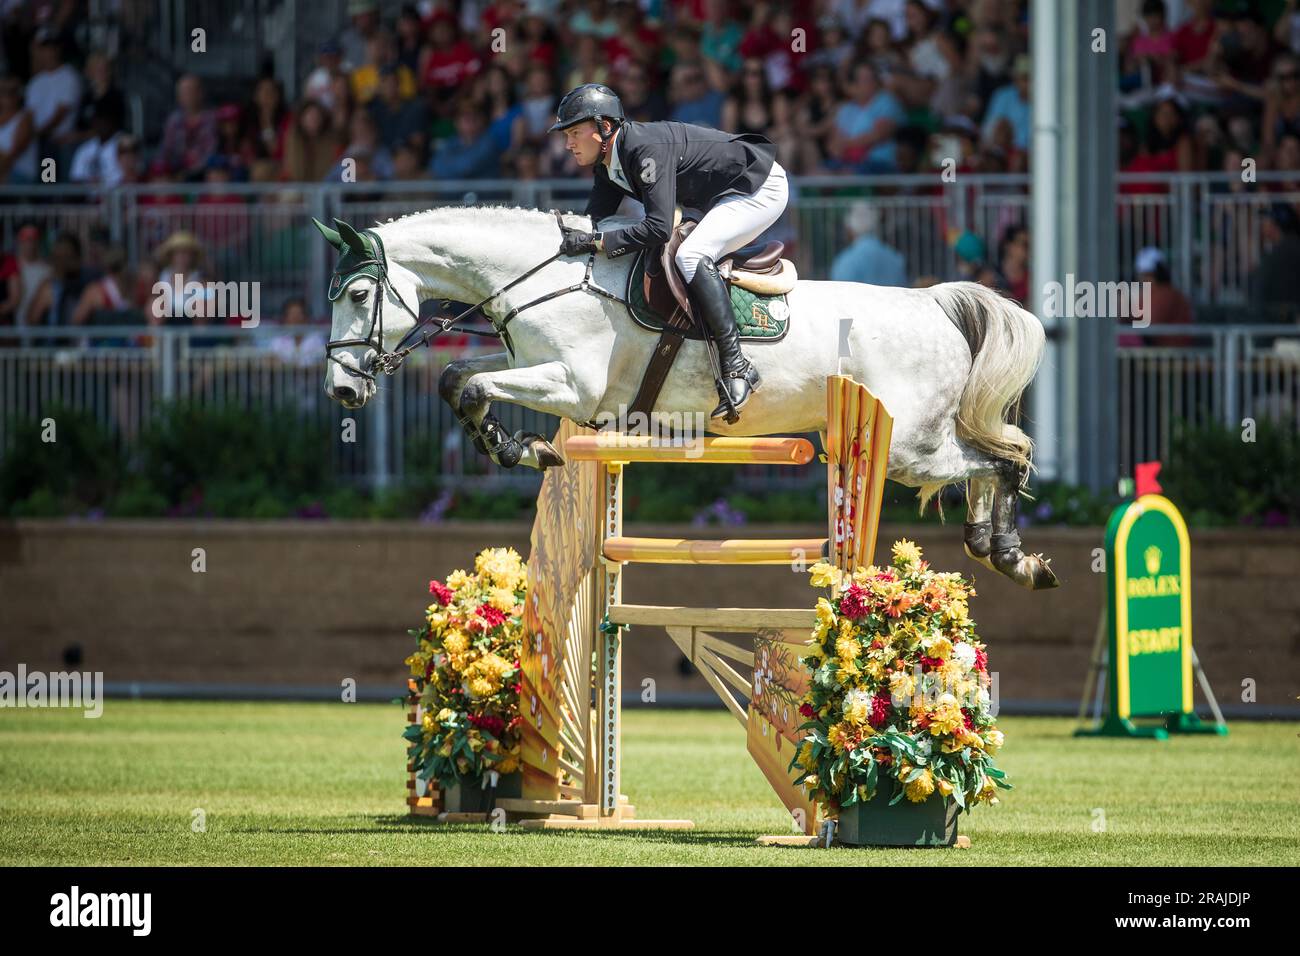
x=308 y=604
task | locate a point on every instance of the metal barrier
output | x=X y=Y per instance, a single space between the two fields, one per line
x=1197 y=375
x=1208 y=224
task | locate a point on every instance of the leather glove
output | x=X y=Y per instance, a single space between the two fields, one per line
x=575 y=243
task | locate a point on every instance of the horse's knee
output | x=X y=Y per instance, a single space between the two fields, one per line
x=474 y=395
x=449 y=383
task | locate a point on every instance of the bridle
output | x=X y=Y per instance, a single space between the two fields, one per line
x=389 y=362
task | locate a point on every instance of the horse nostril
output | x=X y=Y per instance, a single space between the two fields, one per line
x=345 y=393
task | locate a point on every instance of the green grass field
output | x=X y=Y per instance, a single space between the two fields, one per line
x=322 y=784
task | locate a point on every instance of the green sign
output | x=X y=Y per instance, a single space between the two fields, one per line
x=1149 y=613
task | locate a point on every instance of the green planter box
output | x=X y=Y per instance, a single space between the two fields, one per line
x=470 y=797
x=876 y=823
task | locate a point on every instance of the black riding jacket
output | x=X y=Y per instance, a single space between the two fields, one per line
x=675 y=164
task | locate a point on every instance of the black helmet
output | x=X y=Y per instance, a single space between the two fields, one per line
x=591 y=101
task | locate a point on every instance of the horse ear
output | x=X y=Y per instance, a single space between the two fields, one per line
x=352 y=238
x=331 y=235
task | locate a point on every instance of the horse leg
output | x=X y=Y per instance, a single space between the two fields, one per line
x=979 y=520
x=544 y=388
x=1030 y=570
x=451 y=384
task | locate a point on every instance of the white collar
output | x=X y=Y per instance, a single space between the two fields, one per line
x=615 y=167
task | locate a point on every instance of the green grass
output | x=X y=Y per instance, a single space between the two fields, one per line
x=321 y=784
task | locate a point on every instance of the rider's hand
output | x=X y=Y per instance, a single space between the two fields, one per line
x=577 y=243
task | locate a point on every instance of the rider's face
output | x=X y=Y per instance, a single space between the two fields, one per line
x=583 y=141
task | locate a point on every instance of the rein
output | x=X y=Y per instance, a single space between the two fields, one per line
x=389 y=362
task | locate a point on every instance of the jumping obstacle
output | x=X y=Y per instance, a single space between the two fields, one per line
x=571 y=684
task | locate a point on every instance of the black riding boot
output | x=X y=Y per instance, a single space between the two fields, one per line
x=712 y=303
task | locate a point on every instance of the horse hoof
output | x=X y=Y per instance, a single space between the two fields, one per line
x=540 y=450
x=1028 y=570
x=982 y=559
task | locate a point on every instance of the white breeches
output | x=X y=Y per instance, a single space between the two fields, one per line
x=734 y=222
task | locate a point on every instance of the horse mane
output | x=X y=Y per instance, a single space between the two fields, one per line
x=499 y=211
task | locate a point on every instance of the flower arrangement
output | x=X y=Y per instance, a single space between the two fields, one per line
x=899 y=689
x=466 y=671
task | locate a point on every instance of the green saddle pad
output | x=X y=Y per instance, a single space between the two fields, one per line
x=758 y=317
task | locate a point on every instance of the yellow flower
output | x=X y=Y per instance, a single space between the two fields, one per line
x=840 y=736
x=427 y=722
x=500 y=565
x=848 y=673
x=806 y=759
x=823 y=575
x=955 y=615
x=482 y=687
x=457 y=579
x=945 y=788
x=825 y=618
x=503 y=599
x=987 y=792
x=950 y=672
x=445 y=715
x=875 y=670
x=939 y=647
x=906 y=554
x=946 y=716
x=455 y=642
x=920 y=789
x=902 y=684
x=436 y=616
x=417 y=663
x=857 y=707
x=993 y=741
x=847 y=648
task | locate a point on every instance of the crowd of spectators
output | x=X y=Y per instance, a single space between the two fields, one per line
x=466 y=90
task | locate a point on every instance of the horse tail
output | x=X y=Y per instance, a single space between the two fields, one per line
x=1006 y=346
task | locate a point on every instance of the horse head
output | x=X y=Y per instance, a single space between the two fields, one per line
x=369 y=317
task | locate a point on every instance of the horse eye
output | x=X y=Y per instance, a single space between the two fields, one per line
x=358 y=295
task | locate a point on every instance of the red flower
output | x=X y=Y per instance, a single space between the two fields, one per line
x=441 y=592
x=854 y=603
x=930 y=663
x=806 y=710
x=879 y=708
x=981 y=660
x=965 y=715
x=491 y=616
x=489 y=722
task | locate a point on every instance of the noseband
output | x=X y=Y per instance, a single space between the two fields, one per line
x=389 y=362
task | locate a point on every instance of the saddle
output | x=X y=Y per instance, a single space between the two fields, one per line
x=757 y=267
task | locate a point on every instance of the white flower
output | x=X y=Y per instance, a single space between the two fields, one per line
x=923 y=746
x=964 y=654
x=983 y=698
x=856 y=698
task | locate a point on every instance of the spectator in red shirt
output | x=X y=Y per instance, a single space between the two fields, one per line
x=449 y=60
x=1165 y=305
x=1195 y=38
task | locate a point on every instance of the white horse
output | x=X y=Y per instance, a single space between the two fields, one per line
x=949 y=362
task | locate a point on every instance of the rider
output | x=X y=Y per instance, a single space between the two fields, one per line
x=734 y=180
